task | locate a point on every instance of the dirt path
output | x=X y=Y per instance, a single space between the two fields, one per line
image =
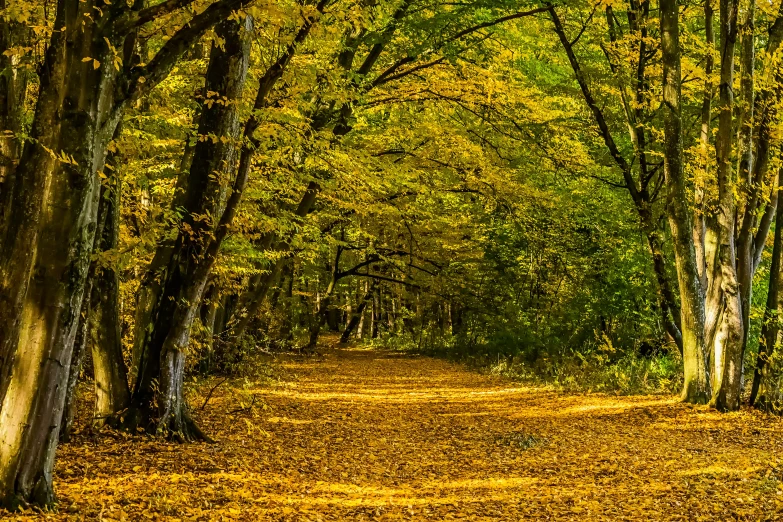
x=369 y=435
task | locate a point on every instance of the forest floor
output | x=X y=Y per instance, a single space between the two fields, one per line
x=358 y=434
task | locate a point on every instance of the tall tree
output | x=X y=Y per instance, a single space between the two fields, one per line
x=696 y=386
x=88 y=78
x=184 y=266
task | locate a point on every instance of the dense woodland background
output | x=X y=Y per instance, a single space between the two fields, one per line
x=582 y=193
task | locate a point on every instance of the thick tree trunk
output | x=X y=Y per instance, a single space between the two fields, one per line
x=173 y=304
x=44 y=257
x=770 y=326
x=696 y=385
x=112 y=394
x=99 y=322
x=54 y=210
x=729 y=339
x=174 y=418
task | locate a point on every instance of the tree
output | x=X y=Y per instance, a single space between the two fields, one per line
x=88 y=79
x=696 y=387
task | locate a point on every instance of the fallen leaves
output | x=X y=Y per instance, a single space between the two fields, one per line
x=366 y=435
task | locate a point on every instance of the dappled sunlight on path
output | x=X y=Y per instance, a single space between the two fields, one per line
x=371 y=435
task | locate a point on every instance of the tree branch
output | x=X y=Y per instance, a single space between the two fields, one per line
x=465 y=32
x=598 y=114
x=389 y=279
x=162 y=9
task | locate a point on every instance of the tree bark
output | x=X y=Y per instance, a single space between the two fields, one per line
x=356 y=317
x=326 y=302
x=14 y=77
x=745 y=121
x=699 y=222
x=77 y=360
x=375 y=313
x=45 y=257
x=112 y=394
x=770 y=326
x=730 y=334
x=99 y=322
x=177 y=298
x=696 y=385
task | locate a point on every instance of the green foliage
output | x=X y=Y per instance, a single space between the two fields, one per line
x=596 y=368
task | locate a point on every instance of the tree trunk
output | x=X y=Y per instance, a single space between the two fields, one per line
x=770 y=326
x=699 y=224
x=376 y=313
x=54 y=209
x=44 y=257
x=696 y=385
x=172 y=305
x=77 y=360
x=13 y=91
x=112 y=394
x=356 y=317
x=360 y=326
x=728 y=344
x=99 y=321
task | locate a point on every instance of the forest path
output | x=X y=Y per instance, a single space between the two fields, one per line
x=361 y=434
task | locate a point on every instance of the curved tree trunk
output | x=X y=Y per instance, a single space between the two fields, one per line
x=171 y=303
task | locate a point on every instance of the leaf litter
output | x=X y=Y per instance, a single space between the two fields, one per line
x=372 y=435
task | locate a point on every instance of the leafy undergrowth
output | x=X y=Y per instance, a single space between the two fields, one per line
x=375 y=435
x=596 y=369
x=597 y=366
x=628 y=375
